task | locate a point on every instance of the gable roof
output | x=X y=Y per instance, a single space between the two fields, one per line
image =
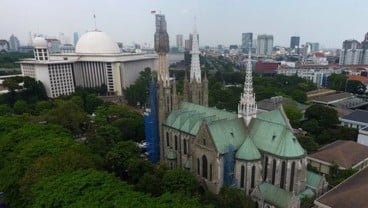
x=313 y=179
x=275 y=195
x=272 y=133
x=345 y=154
x=350 y=193
x=248 y=151
x=189 y=117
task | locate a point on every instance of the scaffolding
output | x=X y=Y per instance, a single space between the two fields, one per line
x=229 y=161
x=151 y=125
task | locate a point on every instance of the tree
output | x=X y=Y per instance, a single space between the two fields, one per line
x=294 y=114
x=138 y=92
x=235 y=198
x=117 y=158
x=308 y=143
x=311 y=126
x=327 y=117
x=20 y=107
x=150 y=183
x=337 y=82
x=179 y=180
x=5 y=110
x=42 y=107
x=68 y=115
x=91 y=103
x=355 y=86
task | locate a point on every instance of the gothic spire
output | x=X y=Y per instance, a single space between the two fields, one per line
x=195 y=70
x=247 y=107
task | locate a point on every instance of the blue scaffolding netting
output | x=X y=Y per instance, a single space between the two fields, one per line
x=151 y=125
x=229 y=162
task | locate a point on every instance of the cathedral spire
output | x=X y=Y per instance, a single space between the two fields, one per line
x=247 y=107
x=195 y=70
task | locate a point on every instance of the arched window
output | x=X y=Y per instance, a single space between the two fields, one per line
x=198 y=167
x=204 y=166
x=185 y=146
x=176 y=142
x=283 y=175
x=292 y=176
x=273 y=171
x=265 y=169
x=253 y=176
x=167 y=139
x=210 y=172
x=242 y=173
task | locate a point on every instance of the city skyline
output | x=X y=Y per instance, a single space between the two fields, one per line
x=219 y=22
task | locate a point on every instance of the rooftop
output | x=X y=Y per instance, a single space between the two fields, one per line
x=362 y=79
x=350 y=193
x=340 y=153
x=358 y=116
x=329 y=99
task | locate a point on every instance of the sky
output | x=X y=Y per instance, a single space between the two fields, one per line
x=328 y=22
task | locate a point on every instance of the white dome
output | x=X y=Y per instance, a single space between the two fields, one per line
x=39 y=42
x=96 y=42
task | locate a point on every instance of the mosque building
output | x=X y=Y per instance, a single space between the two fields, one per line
x=255 y=152
x=97 y=61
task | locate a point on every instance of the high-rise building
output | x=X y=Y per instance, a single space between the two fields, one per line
x=14 y=43
x=294 y=42
x=264 y=45
x=76 y=38
x=247 y=41
x=179 y=42
x=353 y=52
x=314 y=47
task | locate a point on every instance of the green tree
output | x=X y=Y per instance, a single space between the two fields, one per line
x=327 y=117
x=42 y=107
x=311 y=126
x=179 y=180
x=355 y=86
x=308 y=143
x=294 y=114
x=20 y=107
x=68 y=115
x=149 y=183
x=138 y=92
x=5 y=110
x=235 y=198
x=136 y=168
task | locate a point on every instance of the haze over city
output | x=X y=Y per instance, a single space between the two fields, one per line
x=328 y=22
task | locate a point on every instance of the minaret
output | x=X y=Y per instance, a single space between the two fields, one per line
x=247 y=108
x=195 y=68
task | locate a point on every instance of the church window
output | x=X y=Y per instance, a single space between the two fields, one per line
x=242 y=172
x=292 y=175
x=265 y=169
x=210 y=172
x=167 y=139
x=253 y=176
x=185 y=146
x=204 y=166
x=204 y=142
x=198 y=167
x=273 y=171
x=283 y=175
x=176 y=142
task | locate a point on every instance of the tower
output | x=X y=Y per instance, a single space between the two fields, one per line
x=247 y=108
x=166 y=89
x=195 y=90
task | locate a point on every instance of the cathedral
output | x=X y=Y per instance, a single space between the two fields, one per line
x=255 y=152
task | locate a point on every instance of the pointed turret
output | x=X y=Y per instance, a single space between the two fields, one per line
x=247 y=108
x=195 y=69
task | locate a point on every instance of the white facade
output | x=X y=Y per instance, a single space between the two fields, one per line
x=97 y=61
x=363 y=136
x=264 y=45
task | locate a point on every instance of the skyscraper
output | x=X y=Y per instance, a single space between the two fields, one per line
x=264 y=45
x=76 y=38
x=247 y=40
x=179 y=42
x=314 y=47
x=294 y=42
x=14 y=43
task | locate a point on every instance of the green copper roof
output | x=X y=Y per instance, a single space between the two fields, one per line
x=189 y=116
x=227 y=132
x=306 y=193
x=248 y=151
x=271 y=132
x=275 y=195
x=313 y=179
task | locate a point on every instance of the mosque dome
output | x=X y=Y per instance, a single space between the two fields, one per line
x=96 y=42
x=39 y=42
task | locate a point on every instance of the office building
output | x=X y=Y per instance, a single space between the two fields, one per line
x=264 y=45
x=14 y=43
x=247 y=41
x=294 y=42
x=314 y=47
x=179 y=42
x=75 y=38
x=97 y=61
